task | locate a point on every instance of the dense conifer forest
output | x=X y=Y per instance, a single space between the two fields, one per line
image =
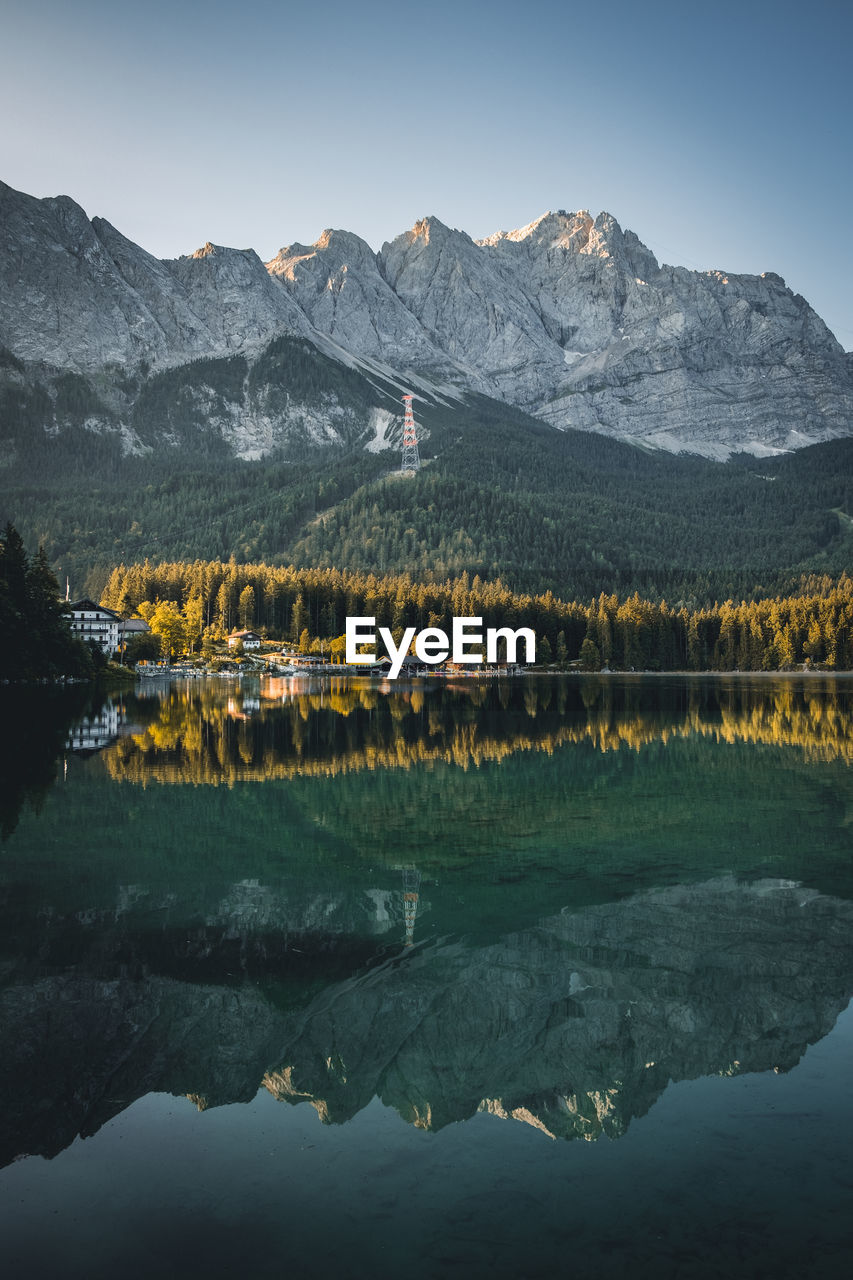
x=199 y=602
x=500 y=494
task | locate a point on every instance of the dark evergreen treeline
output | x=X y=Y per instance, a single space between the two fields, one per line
x=35 y=635
x=813 y=626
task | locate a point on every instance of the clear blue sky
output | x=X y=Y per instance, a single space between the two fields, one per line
x=719 y=133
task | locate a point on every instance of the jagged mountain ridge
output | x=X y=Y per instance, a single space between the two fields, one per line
x=570 y=319
x=78 y=294
x=573 y=320
x=575 y=1027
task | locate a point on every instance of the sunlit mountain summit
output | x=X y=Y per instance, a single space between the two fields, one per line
x=570 y=318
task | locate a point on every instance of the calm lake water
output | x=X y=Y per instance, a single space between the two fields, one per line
x=518 y=978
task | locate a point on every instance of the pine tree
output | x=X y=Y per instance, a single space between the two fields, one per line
x=589 y=655
x=246 y=608
x=35 y=635
x=297 y=617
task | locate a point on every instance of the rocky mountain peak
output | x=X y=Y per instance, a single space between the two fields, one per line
x=217 y=256
x=423 y=228
x=69 y=215
x=337 y=283
x=404 y=259
x=430 y=231
x=550 y=230
x=568 y=317
x=283 y=262
x=575 y=233
x=332 y=251
x=63 y=299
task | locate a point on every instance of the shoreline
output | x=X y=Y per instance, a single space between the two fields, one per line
x=704 y=675
x=610 y=674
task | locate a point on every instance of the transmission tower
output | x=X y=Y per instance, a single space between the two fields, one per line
x=411 y=893
x=411 y=457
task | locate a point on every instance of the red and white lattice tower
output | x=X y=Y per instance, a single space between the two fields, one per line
x=411 y=887
x=411 y=457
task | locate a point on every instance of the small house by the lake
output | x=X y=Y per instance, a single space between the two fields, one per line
x=250 y=640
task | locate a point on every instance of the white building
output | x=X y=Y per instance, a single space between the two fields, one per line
x=94 y=732
x=90 y=621
x=250 y=640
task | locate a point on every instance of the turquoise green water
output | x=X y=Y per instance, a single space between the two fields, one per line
x=517 y=978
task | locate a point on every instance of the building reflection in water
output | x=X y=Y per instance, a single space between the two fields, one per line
x=101 y=727
x=282 y=726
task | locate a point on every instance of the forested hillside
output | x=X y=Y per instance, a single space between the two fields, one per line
x=499 y=495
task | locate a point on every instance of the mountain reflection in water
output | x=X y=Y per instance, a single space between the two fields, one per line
x=535 y=900
x=575 y=1026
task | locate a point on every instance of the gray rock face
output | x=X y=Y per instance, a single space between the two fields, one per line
x=465 y=301
x=63 y=299
x=241 y=306
x=572 y=319
x=77 y=294
x=569 y=318
x=574 y=1027
x=339 y=287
